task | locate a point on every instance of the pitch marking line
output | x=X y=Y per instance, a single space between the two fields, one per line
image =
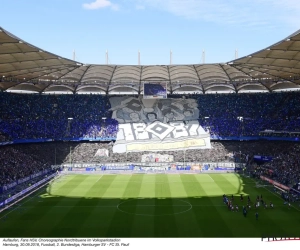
x=99 y=178
x=278 y=196
x=211 y=178
x=23 y=202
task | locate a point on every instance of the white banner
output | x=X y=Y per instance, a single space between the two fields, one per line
x=158 y=136
x=154 y=157
x=131 y=109
x=157 y=125
x=102 y=152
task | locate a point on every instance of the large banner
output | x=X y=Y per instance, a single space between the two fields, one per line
x=157 y=125
x=155 y=157
x=159 y=166
x=158 y=136
x=102 y=152
x=275 y=183
x=138 y=110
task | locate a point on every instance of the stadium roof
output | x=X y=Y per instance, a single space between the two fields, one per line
x=26 y=68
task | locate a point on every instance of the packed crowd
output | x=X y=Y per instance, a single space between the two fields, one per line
x=55 y=117
x=86 y=152
x=16 y=163
x=248 y=114
x=48 y=116
x=285 y=166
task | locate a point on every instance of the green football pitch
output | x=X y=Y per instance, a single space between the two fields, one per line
x=148 y=205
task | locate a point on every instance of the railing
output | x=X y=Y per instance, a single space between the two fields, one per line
x=146 y=166
x=2 y=143
x=25 y=191
x=22 y=180
x=293 y=137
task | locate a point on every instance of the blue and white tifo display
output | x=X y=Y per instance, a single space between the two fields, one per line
x=155 y=90
x=157 y=125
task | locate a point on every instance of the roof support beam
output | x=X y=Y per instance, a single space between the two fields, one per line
x=66 y=73
x=140 y=81
x=33 y=61
x=265 y=66
x=279 y=78
x=270 y=90
x=43 y=89
x=87 y=68
x=79 y=81
x=14 y=85
x=18 y=52
x=108 y=84
x=27 y=81
x=170 y=82
x=43 y=73
x=75 y=89
x=230 y=80
x=39 y=67
x=200 y=82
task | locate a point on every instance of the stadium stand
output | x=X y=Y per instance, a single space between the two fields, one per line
x=257 y=112
x=16 y=164
x=88 y=116
x=55 y=117
x=284 y=167
x=26 y=159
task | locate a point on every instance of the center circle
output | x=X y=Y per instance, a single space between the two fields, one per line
x=154 y=207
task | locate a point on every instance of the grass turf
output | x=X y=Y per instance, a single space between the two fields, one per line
x=158 y=205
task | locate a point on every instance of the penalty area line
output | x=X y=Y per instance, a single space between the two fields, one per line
x=21 y=205
x=99 y=178
x=277 y=196
x=211 y=178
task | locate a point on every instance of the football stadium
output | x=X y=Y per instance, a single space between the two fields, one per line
x=199 y=150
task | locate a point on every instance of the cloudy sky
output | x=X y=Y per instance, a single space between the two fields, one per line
x=123 y=27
